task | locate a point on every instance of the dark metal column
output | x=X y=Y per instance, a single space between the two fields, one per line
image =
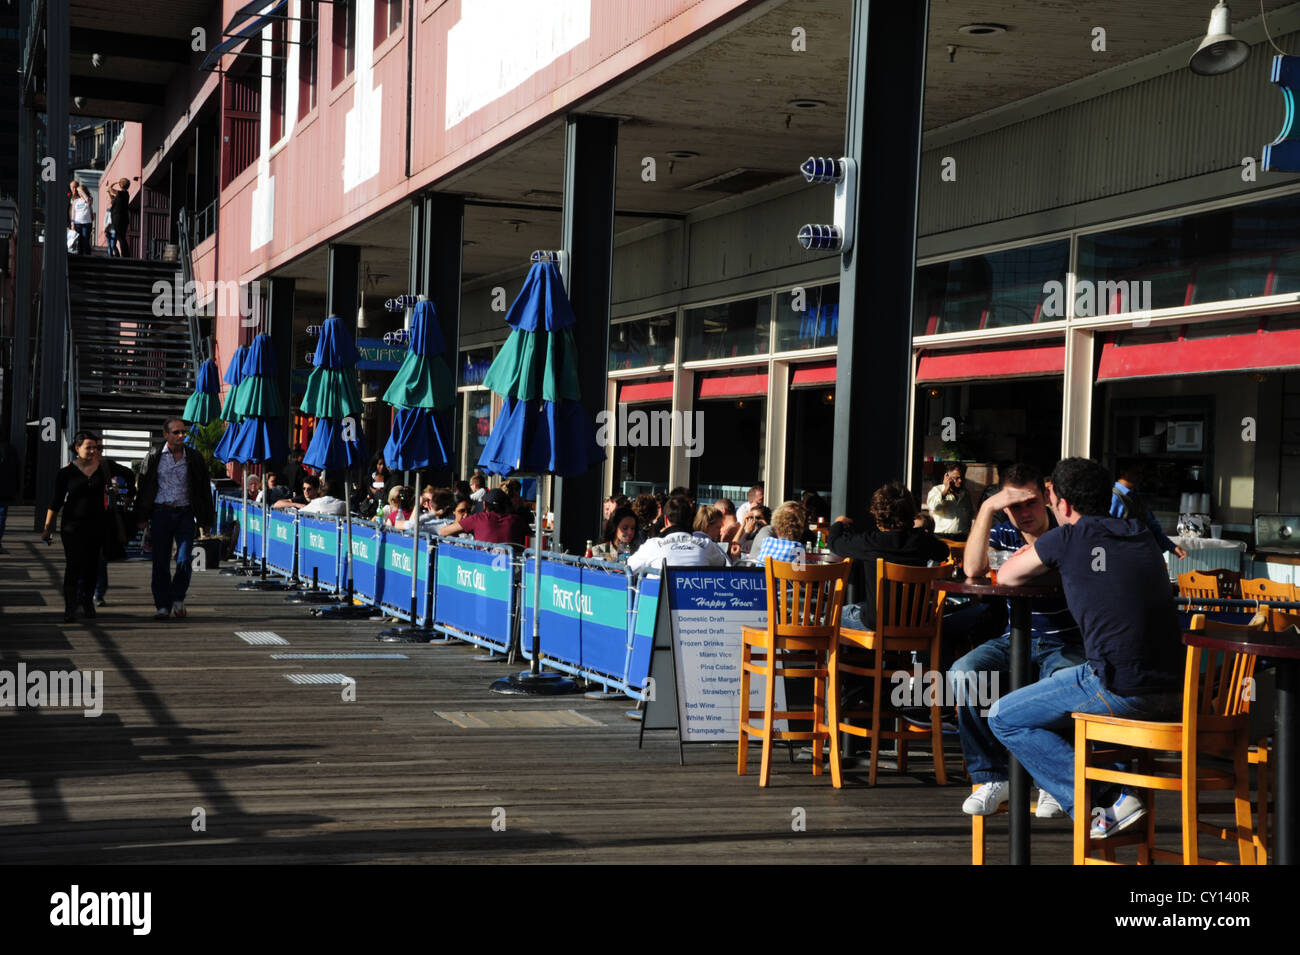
x=24 y=236
x=343 y=288
x=279 y=323
x=54 y=264
x=590 y=158
x=444 y=217
x=872 y=400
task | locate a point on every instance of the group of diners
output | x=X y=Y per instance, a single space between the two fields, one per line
x=1110 y=644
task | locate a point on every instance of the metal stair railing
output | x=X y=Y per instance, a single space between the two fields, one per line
x=198 y=349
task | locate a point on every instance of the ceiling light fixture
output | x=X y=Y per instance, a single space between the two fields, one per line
x=981 y=29
x=1220 y=51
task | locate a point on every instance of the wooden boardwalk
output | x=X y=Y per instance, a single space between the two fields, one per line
x=415 y=770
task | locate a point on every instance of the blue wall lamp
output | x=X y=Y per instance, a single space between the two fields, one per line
x=836 y=237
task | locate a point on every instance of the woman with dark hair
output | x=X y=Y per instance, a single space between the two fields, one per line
x=83 y=487
x=620 y=538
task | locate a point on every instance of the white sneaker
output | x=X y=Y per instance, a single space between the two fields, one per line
x=1108 y=820
x=1048 y=807
x=162 y=613
x=986 y=800
x=178 y=609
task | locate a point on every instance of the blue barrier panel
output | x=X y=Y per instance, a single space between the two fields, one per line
x=365 y=563
x=318 y=549
x=645 y=611
x=281 y=541
x=474 y=592
x=604 y=622
x=561 y=623
x=253 y=532
x=395 y=575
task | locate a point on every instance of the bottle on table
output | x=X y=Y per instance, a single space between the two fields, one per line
x=821 y=534
x=588 y=553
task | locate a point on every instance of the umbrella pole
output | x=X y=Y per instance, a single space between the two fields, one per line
x=534 y=681
x=346 y=609
x=263 y=582
x=241 y=569
x=414 y=633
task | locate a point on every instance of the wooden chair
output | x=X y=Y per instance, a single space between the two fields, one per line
x=1261 y=588
x=909 y=618
x=1193 y=583
x=977 y=834
x=799 y=641
x=1215 y=722
x=956 y=550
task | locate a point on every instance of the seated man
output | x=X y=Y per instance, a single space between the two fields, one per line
x=330 y=503
x=888 y=534
x=677 y=546
x=274 y=492
x=498 y=524
x=1056 y=642
x=1117 y=588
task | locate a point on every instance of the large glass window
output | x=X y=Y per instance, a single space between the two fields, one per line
x=809 y=440
x=642 y=342
x=345 y=39
x=388 y=17
x=992 y=290
x=1238 y=252
x=474 y=365
x=807 y=317
x=307 y=58
x=729 y=330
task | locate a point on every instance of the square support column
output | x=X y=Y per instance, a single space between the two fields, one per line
x=55 y=369
x=872 y=396
x=19 y=378
x=280 y=327
x=590 y=157
x=1076 y=428
x=443 y=236
x=343 y=285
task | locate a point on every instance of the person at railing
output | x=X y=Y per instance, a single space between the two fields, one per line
x=477 y=489
x=401 y=502
x=274 y=492
x=80 y=491
x=119 y=218
x=498 y=524
x=678 y=547
x=619 y=540
x=81 y=212
x=254 y=485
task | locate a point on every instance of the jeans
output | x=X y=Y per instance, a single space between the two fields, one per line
x=85 y=237
x=168 y=526
x=986 y=758
x=1035 y=723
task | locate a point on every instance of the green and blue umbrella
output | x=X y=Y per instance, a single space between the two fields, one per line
x=332 y=396
x=234 y=375
x=422 y=388
x=204 y=406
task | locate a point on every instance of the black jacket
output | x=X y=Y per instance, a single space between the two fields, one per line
x=200 y=487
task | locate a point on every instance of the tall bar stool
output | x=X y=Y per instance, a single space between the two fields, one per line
x=799 y=642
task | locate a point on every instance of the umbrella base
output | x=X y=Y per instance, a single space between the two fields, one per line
x=311 y=597
x=265 y=584
x=604 y=695
x=407 y=635
x=491 y=657
x=527 y=683
x=238 y=570
x=344 y=611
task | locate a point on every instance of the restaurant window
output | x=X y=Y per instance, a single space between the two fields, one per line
x=241 y=119
x=1238 y=252
x=808 y=317
x=642 y=342
x=279 y=80
x=810 y=430
x=345 y=39
x=474 y=365
x=388 y=17
x=308 y=58
x=730 y=434
x=476 y=412
x=729 y=330
x=640 y=436
x=992 y=290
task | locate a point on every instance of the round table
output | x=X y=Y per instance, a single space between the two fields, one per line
x=1019 y=599
x=1283 y=649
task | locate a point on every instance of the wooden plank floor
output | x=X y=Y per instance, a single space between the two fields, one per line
x=195 y=718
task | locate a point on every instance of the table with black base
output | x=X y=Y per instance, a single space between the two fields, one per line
x=1019 y=599
x=1284 y=650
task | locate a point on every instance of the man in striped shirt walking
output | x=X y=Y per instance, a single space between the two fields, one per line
x=1055 y=641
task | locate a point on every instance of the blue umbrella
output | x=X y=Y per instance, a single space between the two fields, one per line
x=234 y=375
x=203 y=407
x=333 y=398
x=421 y=388
x=542 y=428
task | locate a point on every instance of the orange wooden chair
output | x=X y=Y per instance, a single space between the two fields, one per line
x=1215 y=722
x=956 y=550
x=799 y=641
x=909 y=618
x=1193 y=583
x=1261 y=588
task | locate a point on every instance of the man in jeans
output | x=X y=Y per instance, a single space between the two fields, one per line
x=1055 y=639
x=1117 y=587
x=175 y=497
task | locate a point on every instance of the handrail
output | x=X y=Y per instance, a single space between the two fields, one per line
x=187 y=278
x=70 y=358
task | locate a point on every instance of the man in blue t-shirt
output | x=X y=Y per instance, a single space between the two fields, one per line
x=1117 y=587
x=1055 y=639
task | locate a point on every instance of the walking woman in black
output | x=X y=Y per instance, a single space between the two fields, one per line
x=80 y=489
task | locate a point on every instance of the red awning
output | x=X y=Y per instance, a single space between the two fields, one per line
x=733 y=386
x=808 y=376
x=639 y=391
x=1251 y=351
x=993 y=363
